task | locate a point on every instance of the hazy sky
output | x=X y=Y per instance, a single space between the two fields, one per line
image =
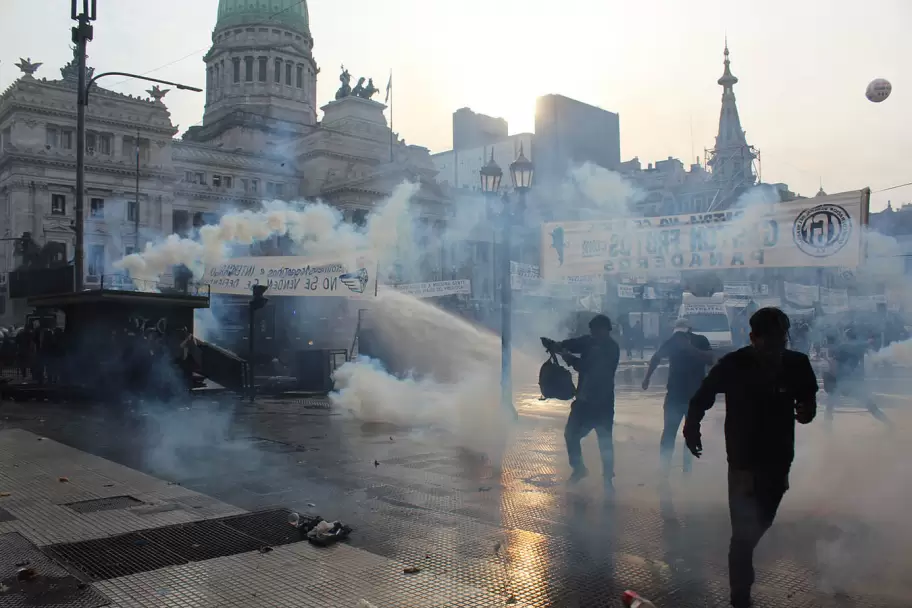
x=803 y=67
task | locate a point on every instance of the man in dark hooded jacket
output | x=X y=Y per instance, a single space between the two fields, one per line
x=596 y=358
x=767 y=388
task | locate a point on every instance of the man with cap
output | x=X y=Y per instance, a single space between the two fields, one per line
x=596 y=358
x=688 y=355
x=767 y=388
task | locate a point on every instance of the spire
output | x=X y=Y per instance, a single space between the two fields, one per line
x=728 y=79
x=732 y=157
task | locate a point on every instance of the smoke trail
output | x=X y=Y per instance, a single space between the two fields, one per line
x=315 y=228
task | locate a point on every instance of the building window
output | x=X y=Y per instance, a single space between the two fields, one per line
x=359 y=217
x=96 y=260
x=132 y=211
x=199 y=178
x=58 y=204
x=248 y=69
x=217 y=181
x=280 y=190
x=66 y=139
x=96 y=207
x=228 y=183
x=237 y=69
x=245 y=185
x=52 y=137
x=278 y=71
x=188 y=177
x=299 y=77
x=129 y=250
x=288 y=73
x=254 y=184
x=57 y=253
x=264 y=64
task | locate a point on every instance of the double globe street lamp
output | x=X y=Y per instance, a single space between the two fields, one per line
x=521 y=172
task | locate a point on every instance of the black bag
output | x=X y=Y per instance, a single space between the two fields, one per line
x=555 y=380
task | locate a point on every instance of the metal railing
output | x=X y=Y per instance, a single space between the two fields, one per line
x=123 y=282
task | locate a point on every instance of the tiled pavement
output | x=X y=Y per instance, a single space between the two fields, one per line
x=481 y=532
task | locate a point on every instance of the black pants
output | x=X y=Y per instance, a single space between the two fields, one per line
x=675 y=410
x=753 y=499
x=584 y=418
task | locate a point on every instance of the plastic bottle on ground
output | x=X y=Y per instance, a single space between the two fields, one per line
x=632 y=599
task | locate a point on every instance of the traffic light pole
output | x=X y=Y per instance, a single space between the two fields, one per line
x=252 y=378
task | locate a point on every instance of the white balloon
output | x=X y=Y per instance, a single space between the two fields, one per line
x=878 y=90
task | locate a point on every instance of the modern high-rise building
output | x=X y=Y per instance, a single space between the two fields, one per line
x=472 y=130
x=569 y=132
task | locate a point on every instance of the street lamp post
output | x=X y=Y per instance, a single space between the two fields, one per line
x=521 y=171
x=82 y=34
x=256 y=303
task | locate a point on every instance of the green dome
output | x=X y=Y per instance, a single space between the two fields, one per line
x=290 y=13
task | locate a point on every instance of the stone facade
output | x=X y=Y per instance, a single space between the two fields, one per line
x=259 y=139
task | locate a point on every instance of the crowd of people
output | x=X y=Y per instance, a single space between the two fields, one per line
x=130 y=359
x=768 y=387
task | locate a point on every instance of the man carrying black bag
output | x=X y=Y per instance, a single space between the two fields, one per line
x=593 y=409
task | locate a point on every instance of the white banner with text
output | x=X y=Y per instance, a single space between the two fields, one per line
x=819 y=231
x=294 y=276
x=435 y=289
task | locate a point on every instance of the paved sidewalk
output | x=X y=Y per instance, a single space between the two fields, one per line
x=45 y=484
x=482 y=532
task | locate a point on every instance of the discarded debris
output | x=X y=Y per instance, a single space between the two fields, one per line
x=311 y=505
x=484 y=489
x=411 y=570
x=265 y=549
x=391 y=439
x=5 y=494
x=26 y=574
x=511 y=600
x=365 y=604
x=82 y=586
x=376 y=463
x=23 y=564
x=324 y=533
x=63 y=479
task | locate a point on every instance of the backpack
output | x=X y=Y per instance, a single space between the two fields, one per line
x=555 y=380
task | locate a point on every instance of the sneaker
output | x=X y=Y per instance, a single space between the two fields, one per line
x=578 y=475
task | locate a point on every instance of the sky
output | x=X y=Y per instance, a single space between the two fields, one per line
x=803 y=68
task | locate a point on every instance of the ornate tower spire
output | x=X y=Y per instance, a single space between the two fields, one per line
x=732 y=158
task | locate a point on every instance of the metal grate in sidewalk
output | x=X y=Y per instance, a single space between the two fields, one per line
x=154 y=548
x=112 y=503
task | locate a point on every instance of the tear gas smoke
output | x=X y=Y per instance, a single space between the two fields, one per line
x=316 y=229
x=455 y=378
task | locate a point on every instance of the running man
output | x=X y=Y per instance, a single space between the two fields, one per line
x=846 y=377
x=593 y=408
x=688 y=355
x=767 y=388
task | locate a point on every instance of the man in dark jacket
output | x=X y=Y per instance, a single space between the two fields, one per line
x=846 y=376
x=767 y=387
x=688 y=355
x=596 y=358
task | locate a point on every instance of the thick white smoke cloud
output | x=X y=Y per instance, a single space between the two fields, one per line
x=316 y=228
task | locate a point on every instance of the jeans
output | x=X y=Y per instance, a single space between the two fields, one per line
x=675 y=411
x=852 y=388
x=753 y=499
x=583 y=419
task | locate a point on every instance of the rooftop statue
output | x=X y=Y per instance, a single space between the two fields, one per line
x=345 y=90
x=157 y=93
x=365 y=92
x=28 y=68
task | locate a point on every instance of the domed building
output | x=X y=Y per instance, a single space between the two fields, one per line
x=262 y=136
